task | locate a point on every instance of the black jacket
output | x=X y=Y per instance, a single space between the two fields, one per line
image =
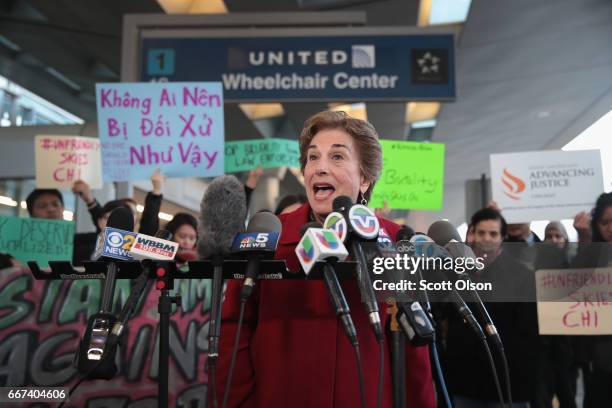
x=467 y=368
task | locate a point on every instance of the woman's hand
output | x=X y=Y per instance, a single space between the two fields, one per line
x=254 y=176
x=83 y=190
x=582 y=224
x=157 y=179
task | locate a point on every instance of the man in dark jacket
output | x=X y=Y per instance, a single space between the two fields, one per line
x=467 y=367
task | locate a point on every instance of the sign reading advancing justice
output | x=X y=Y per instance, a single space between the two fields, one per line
x=245 y=155
x=36 y=239
x=412 y=176
x=582 y=304
x=545 y=185
x=176 y=127
x=62 y=160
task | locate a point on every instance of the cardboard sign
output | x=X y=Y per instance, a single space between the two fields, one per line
x=176 y=127
x=35 y=239
x=582 y=301
x=412 y=176
x=545 y=185
x=246 y=155
x=62 y=160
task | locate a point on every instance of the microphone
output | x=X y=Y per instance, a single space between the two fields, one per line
x=318 y=244
x=115 y=244
x=362 y=225
x=414 y=321
x=258 y=242
x=158 y=248
x=425 y=246
x=445 y=234
x=222 y=216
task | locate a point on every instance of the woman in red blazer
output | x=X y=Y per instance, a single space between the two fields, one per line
x=293 y=351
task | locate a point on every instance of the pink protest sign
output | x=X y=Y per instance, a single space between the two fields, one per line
x=578 y=301
x=62 y=160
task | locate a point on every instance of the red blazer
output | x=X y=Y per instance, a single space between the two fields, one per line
x=293 y=351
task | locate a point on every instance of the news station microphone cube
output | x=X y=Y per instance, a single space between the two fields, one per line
x=147 y=247
x=115 y=244
x=319 y=244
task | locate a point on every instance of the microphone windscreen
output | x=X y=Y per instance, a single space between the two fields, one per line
x=121 y=218
x=222 y=216
x=312 y=224
x=442 y=232
x=342 y=204
x=264 y=222
x=404 y=233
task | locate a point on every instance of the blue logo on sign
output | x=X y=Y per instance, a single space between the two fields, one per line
x=160 y=61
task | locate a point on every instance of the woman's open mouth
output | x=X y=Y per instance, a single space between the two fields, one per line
x=323 y=191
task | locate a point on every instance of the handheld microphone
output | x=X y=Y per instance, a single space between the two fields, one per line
x=318 y=244
x=158 y=248
x=222 y=216
x=258 y=242
x=445 y=234
x=362 y=225
x=425 y=246
x=93 y=347
x=413 y=320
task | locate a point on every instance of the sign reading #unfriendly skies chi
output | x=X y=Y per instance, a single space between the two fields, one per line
x=412 y=176
x=62 y=160
x=175 y=127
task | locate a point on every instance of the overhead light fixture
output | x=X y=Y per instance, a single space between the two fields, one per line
x=8 y=201
x=257 y=111
x=193 y=6
x=355 y=110
x=420 y=111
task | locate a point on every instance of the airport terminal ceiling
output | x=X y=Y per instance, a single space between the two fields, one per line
x=530 y=75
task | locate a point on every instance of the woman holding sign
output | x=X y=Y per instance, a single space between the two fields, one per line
x=292 y=349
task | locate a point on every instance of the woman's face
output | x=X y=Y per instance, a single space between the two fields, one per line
x=605 y=224
x=185 y=236
x=332 y=170
x=555 y=236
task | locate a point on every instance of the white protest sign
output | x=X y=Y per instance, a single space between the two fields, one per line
x=545 y=185
x=62 y=160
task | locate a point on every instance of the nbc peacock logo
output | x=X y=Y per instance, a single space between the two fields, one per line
x=513 y=185
x=246 y=241
x=306 y=251
x=327 y=239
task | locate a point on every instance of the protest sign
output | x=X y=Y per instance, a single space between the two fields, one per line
x=36 y=239
x=42 y=322
x=246 y=155
x=62 y=160
x=545 y=185
x=176 y=127
x=574 y=301
x=412 y=176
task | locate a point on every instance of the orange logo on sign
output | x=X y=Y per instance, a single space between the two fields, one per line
x=513 y=185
